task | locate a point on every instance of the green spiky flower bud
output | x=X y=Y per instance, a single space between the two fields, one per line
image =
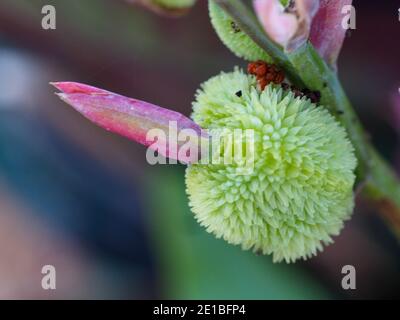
x=234 y=38
x=301 y=189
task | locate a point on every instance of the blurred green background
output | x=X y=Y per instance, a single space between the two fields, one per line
x=87 y=202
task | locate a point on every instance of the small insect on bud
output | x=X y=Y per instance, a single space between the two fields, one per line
x=314 y=96
x=235 y=27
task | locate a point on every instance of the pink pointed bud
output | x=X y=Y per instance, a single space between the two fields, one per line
x=170 y=133
x=317 y=20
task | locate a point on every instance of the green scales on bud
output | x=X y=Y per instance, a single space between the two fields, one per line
x=234 y=38
x=300 y=190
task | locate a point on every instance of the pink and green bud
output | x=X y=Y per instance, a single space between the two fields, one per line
x=136 y=120
x=291 y=25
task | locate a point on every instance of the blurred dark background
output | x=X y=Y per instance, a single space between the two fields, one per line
x=86 y=201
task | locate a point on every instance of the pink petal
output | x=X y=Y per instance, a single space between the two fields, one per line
x=132 y=118
x=327 y=33
x=317 y=20
x=285 y=27
x=279 y=26
x=306 y=11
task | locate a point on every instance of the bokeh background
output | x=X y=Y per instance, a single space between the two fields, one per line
x=86 y=201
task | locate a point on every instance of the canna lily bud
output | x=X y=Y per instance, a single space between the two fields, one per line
x=301 y=189
x=132 y=118
x=292 y=24
x=279 y=24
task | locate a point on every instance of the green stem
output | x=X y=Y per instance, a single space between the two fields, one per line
x=306 y=68
x=317 y=75
x=384 y=189
x=381 y=183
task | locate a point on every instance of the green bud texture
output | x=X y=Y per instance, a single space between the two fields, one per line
x=234 y=38
x=301 y=189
